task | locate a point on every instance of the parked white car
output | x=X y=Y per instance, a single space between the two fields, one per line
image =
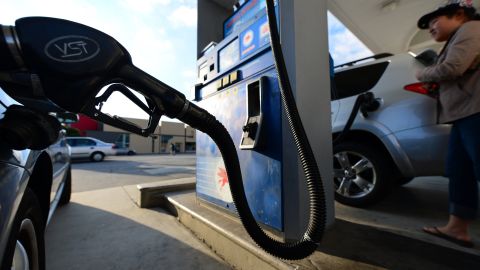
x=87 y=147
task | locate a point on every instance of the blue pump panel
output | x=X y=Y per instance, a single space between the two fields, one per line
x=261 y=169
x=241 y=61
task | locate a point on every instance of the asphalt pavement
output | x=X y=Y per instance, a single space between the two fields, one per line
x=102 y=228
x=117 y=171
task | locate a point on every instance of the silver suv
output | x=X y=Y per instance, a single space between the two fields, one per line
x=392 y=145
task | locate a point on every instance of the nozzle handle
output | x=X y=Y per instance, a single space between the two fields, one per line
x=10 y=51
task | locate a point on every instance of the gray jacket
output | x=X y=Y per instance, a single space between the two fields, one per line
x=458 y=72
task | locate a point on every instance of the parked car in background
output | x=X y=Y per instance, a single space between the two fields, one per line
x=34 y=180
x=124 y=151
x=87 y=147
x=392 y=145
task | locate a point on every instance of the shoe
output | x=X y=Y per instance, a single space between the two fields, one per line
x=439 y=234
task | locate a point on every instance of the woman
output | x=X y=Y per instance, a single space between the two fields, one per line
x=458 y=73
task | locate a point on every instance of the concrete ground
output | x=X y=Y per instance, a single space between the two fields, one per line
x=102 y=228
x=377 y=238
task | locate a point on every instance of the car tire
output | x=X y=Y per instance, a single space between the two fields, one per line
x=131 y=153
x=361 y=174
x=26 y=244
x=97 y=156
x=67 y=188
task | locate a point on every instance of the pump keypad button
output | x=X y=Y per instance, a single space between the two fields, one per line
x=234 y=77
x=226 y=81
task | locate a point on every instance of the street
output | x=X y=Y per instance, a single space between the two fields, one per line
x=117 y=171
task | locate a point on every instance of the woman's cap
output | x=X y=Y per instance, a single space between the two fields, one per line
x=449 y=6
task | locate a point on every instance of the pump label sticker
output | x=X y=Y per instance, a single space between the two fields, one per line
x=264 y=31
x=248 y=38
x=212 y=178
x=72 y=49
x=254 y=38
x=222 y=184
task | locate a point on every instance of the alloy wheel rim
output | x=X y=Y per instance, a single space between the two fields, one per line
x=354 y=175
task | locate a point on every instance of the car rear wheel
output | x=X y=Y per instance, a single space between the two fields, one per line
x=97 y=156
x=67 y=188
x=361 y=174
x=26 y=245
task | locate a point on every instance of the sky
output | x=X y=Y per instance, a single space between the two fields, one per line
x=159 y=34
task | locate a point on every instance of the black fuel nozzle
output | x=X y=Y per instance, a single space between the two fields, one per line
x=369 y=104
x=72 y=63
x=10 y=55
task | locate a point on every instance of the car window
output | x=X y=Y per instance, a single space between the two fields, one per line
x=85 y=142
x=358 y=80
x=72 y=142
x=81 y=142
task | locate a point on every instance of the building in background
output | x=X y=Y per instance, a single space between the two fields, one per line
x=85 y=124
x=167 y=133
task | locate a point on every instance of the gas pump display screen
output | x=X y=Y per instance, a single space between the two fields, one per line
x=229 y=55
x=243 y=16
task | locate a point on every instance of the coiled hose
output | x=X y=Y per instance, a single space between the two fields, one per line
x=289 y=251
x=316 y=226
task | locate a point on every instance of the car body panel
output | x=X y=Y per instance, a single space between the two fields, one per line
x=370 y=123
x=13 y=182
x=335 y=107
x=16 y=168
x=427 y=156
x=399 y=156
x=59 y=153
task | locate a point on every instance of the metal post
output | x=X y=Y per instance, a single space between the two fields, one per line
x=304 y=37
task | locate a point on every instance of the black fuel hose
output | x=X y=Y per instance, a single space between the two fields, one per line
x=290 y=251
x=364 y=102
x=207 y=123
x=317 y=222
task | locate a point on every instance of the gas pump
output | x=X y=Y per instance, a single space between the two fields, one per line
x=240 y=81
x=88 y=61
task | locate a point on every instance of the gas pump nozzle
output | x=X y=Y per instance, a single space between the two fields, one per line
x=73 y=62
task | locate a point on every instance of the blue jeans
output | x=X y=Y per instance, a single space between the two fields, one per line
x=463 y=167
